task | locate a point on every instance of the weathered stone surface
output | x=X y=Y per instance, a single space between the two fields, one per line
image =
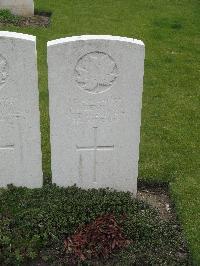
x=95 y=86
x=18 y=7
x=20 y=145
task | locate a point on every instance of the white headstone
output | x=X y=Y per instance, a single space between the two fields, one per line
x=20 y=144
x=95 y=86
x=18 y=7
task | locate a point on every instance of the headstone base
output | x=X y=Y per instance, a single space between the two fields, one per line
x=18 y=7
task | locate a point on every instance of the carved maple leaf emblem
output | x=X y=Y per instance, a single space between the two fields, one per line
x=95 y=72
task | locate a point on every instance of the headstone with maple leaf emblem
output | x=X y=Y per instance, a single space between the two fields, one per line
x=20 y=142
x=95 y=89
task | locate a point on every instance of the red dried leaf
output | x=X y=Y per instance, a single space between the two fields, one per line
x=97 y=239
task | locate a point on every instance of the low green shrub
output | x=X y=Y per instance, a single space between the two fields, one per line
x=7 y=17
x=34 y=224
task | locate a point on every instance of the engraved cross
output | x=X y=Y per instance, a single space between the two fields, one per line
x=93 y=148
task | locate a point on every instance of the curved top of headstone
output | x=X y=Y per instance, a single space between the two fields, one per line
x=16 y=35
x=95 y=37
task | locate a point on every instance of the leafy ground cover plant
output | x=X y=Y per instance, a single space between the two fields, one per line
x=70 y=226
x=7 y=17
x=40 y=19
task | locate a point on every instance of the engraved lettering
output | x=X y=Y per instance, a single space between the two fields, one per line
x=3 y=71
x=109 y=109
x=8 y=106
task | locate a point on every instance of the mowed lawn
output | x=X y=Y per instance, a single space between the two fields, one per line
x=170 y=130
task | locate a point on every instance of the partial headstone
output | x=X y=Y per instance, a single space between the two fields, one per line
x=95 y=89
x=18 y=7
x=20 y=142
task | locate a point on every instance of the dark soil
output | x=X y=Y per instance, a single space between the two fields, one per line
x=37 y=20
x=157 y=196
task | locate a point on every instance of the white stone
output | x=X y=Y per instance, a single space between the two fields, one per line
x=18 y=7
x=95 y=89
x=20 y=144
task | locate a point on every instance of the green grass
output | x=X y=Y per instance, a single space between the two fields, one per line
x=169 y=148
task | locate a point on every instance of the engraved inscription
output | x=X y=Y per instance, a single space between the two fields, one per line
x=93 y=148
x=3 y=71
x=95 y=72
x=105 y=110
x=7 y=147
x=8 y=106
